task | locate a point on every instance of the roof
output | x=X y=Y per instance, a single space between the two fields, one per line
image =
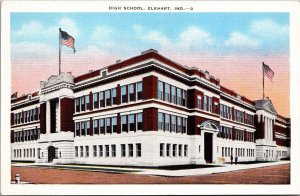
x=265 y=104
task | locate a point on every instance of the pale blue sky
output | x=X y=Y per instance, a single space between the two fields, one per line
x=126 y=33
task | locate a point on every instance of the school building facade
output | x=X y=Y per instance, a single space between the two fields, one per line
x=144 y=111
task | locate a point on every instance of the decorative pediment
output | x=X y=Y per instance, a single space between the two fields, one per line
x=209 y=125
x=266 y=105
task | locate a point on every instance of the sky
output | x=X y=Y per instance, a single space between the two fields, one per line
x=231 y=46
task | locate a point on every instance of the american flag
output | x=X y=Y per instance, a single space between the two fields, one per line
x=268 y=71
x=67 y=40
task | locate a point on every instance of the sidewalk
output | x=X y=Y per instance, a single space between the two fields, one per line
x=213 y=170
x=154 y=171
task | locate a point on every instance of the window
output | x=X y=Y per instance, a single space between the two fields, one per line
x=96 y=129
x=124 y=123
x=179 y=124
x=123 y=150
x=160 y=90
x=178 y=96
x=108 y=98
x=184 y=98
x=28 y=115
x=114 y=96
x=140 y=121
x=161 y=149
x=209 y=104
x=180 y=150
x=174 y=150
x=102 y=128
x=82 y=128
x=108 y=125
x=167 y=92
x=114 y=124
x=205 y=103
x=184 y=125
x=173 y=94
x=168 y=150
x=31 y=115
x=87 y=102
x=25 y=137
x=106 y=150
x=138 y=150
x=113 y=150
x=215 y=107
x=94 y=151
x=31 y=134
x=100 y=151
x=185 y=150
x=131 y=122
x=39 y=113
x=139 y=90
x=34 y=115
x=160 y=121
x=101 y=99
x=221 y=110
x=88 y=128
x=124 y=94
x=131 y=92
x=95 y=101
x=87 y=153
x=82 y=103
x=77 y=105
x=76 y=151
x=130 y=148
x=81 y=151
x=173 y=123
x=167 y=122
x=199 y=102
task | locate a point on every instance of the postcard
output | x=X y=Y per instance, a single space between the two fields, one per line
x=161 y=97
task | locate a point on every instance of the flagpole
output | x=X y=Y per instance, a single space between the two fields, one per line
x=59 y=51
x=263 y=80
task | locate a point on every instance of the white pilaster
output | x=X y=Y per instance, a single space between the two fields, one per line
x=214 y=151
x=48 y=117
x=58 y=128
x=266 y=129
x=270 y=129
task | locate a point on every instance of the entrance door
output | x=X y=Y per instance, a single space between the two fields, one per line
x=51 y=153
x=208 y=147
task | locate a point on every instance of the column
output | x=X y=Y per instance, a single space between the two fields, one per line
x=214 y=147
x=271 y=135
x=48 y=117
x=266 y=130
x=270 y=129
x=58 y=126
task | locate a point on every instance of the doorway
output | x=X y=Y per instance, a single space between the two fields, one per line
x=51 y=153
x=208 y=147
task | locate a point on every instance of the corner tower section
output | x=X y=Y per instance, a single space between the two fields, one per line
x=265 y=134
x=56 y=142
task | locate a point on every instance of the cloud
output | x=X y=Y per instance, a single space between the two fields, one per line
x=195 y=38
x=137 y=28
x=34 y=30
x=237 y=39
x=102 y=33
x=157 y=37
x=68 y=25
x=267 y=28
x=192 y=39
x=26 y=50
